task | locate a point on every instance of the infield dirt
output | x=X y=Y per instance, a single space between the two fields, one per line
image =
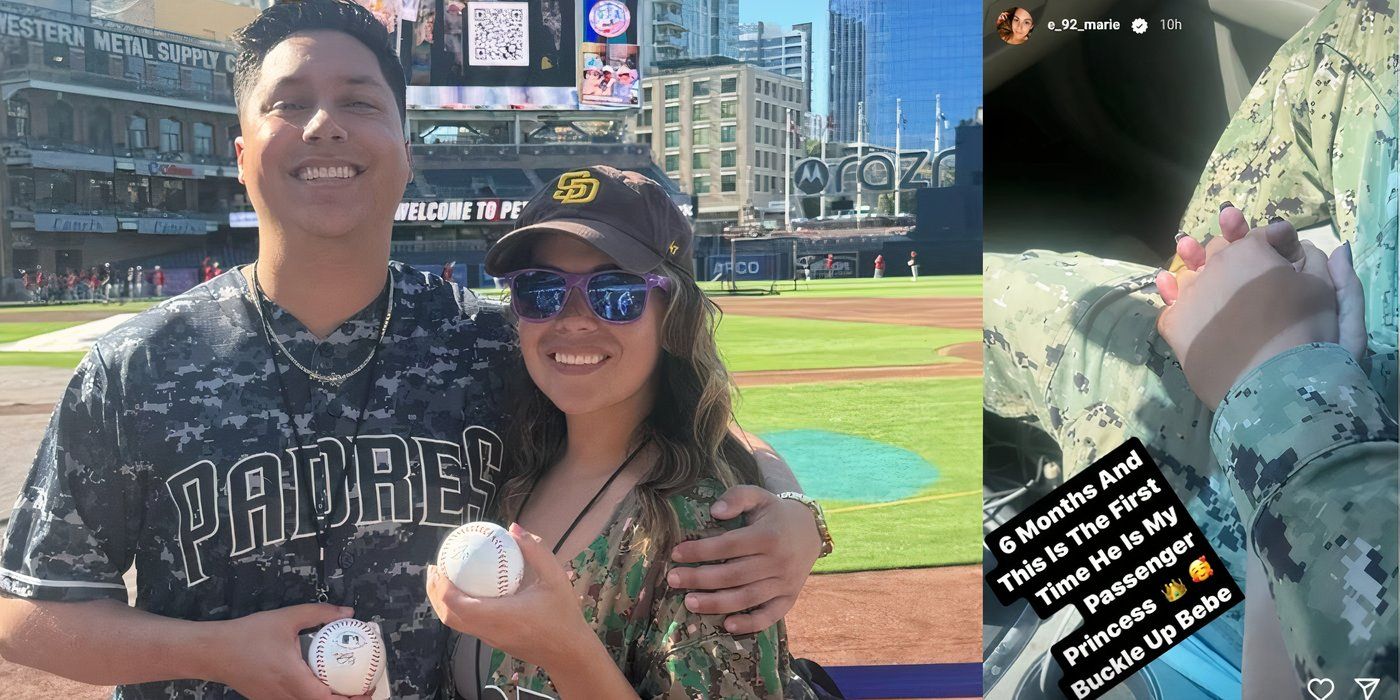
x=943 y=312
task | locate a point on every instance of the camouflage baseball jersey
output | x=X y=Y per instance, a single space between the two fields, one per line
x=1300 y=459
x=171 y=449
x=665 y=651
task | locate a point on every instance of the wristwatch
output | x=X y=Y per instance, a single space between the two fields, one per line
x=816 y=508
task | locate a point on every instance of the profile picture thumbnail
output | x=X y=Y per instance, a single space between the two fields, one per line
x=1014 y=25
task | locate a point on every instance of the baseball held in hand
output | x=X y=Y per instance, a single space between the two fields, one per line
x=348 y=656
x=482 y=560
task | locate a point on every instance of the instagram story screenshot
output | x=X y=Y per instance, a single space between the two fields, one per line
x=1190 y=462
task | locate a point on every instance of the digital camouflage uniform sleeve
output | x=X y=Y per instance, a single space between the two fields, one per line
x=1312 y=453
x=1308 y=438
x=692 y=656
x=72 y=533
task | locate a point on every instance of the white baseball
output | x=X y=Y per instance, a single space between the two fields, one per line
x=348 y=656
x=482 y=560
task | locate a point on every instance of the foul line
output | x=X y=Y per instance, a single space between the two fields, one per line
x=921 y=499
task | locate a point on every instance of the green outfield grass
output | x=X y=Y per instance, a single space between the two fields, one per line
x=10 y=311
x=67 y=360
x=888 y=288
x=938 y=419
x=10 y=332
x=765 y=342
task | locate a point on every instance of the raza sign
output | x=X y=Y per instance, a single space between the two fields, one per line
x=876 y=171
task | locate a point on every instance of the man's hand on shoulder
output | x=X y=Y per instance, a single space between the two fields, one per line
x=754 y=573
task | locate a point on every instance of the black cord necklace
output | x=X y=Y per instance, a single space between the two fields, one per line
x=476 y=658
x=589 y=506
x=320 y=521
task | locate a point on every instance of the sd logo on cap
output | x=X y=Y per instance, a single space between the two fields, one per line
x=625 y=214
x=576 y=187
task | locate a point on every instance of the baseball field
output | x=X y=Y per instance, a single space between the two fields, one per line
x=870 y=389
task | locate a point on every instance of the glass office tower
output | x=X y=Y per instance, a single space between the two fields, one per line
x=887 y=49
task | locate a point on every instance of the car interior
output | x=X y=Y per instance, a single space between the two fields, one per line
x=1095 y=141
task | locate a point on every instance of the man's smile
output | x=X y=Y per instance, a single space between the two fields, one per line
x=327 y=171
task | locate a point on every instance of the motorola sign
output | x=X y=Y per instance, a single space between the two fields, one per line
x=811 y=176
x=876 y=170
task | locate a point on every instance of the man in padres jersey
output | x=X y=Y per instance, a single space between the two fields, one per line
x=286 y=444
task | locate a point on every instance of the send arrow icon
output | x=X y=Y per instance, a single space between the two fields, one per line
x=1368 y=686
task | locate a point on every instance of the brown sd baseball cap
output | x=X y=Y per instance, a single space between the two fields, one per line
x=626 y=215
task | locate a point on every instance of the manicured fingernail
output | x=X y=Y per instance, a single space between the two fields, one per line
x=1224 y=205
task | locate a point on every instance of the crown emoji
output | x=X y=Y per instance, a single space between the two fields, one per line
x=1174 y=590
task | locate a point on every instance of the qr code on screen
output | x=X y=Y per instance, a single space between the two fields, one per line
x=499 y=33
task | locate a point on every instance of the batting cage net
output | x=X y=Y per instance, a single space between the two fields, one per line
x=751 y=265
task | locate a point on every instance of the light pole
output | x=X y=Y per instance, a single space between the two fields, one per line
x=937 y=123
x=787 y=174
x=821 y=196
x=860 y=157
x=898 y=119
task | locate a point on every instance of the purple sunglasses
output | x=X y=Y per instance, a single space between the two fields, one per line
x=615 y=296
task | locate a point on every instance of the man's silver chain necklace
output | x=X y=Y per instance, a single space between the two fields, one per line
x=334 y=380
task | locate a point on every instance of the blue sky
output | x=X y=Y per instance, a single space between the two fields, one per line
x=788 y=13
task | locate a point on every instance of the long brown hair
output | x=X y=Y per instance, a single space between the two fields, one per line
x=688 y=424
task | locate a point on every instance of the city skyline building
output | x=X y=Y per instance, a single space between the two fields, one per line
x=717 y=128
x=785 y=51
x=922 y=54
x=684 y=29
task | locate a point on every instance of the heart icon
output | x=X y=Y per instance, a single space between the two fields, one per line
x=1320 y=688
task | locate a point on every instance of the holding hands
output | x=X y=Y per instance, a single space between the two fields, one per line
x=1246 y=296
